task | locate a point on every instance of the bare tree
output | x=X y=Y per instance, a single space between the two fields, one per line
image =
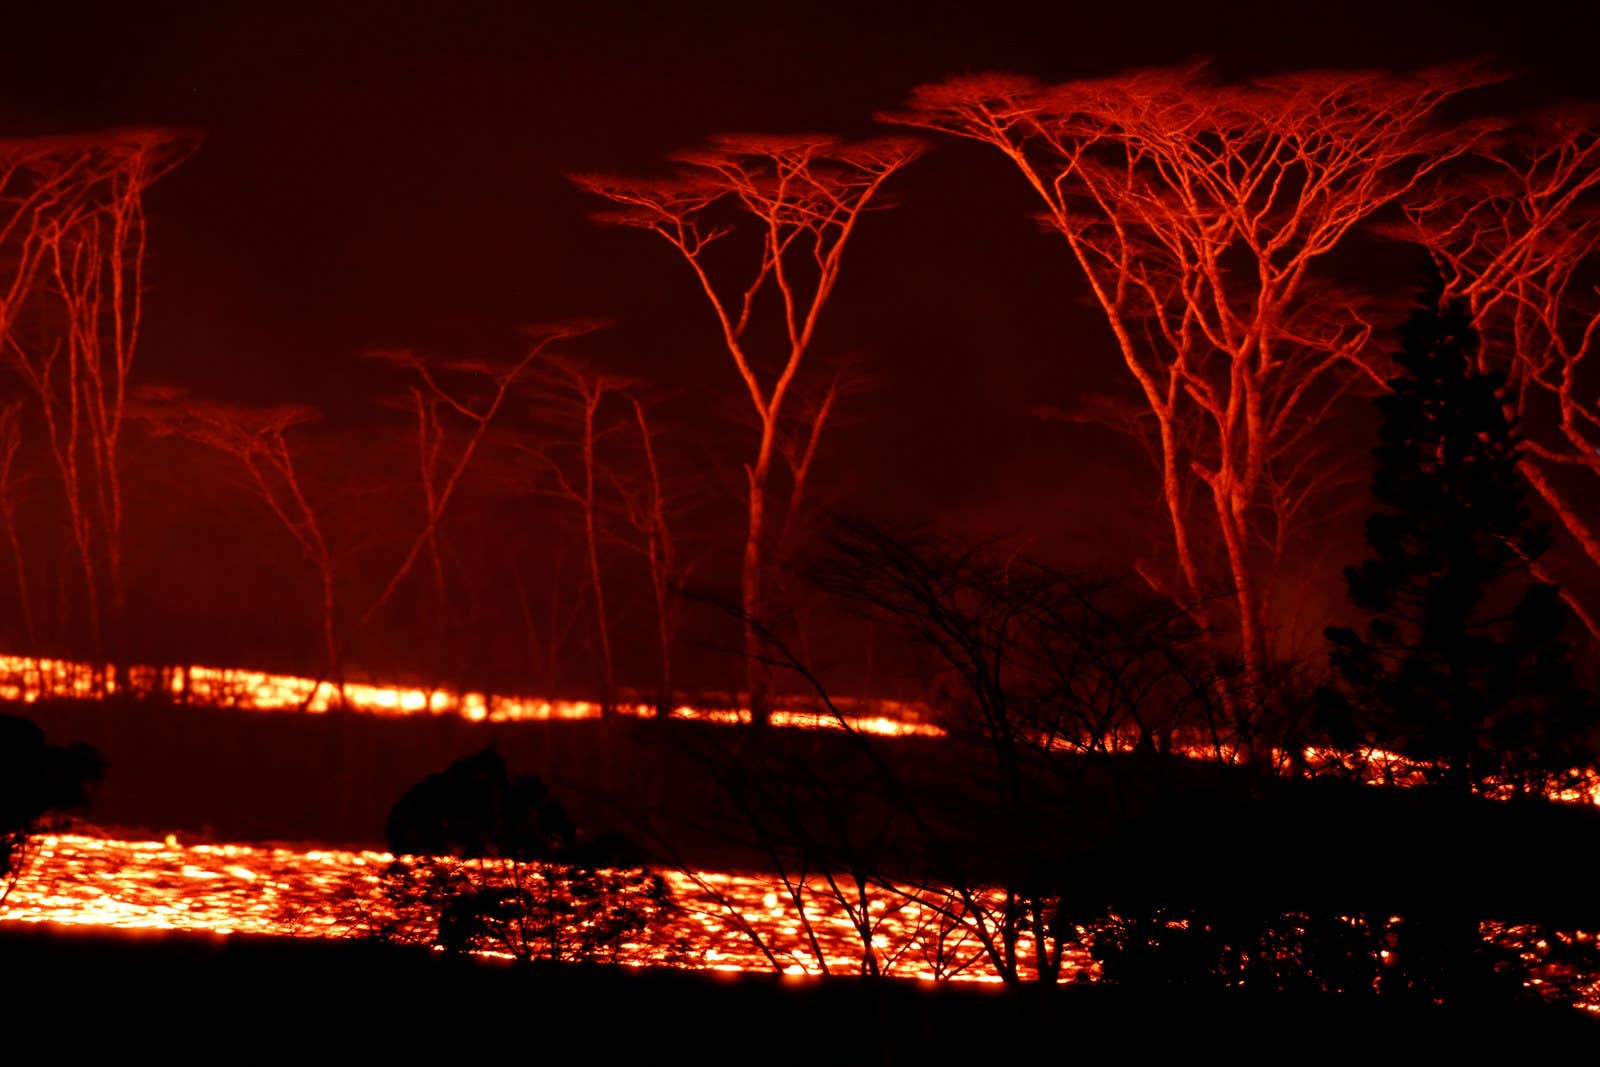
x=578 y=392
x=800 y=198
x=1199 y=214
x=43 y=187
x=1517 y=231
x=648 y=507
x=547 y=635
x=10 y=444
x=468 y=393
x=38 y=179
x=90 y=250
x=601 y=457
x=441 y=468
x=257 y=439
x=1045 y=679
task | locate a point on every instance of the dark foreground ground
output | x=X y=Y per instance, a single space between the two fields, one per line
x=1122 y=831
x=79 y=997
x=249 y=776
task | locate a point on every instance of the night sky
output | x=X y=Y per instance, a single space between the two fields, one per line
x=378 y=175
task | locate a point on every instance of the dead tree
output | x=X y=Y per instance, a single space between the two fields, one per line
x=1199 y=214
x=563 y=615
x=649 y=508
x=257 y=439
x=10 y=444
x=574 y=394
x=587 y=461
x=799 y=200
x=442 y=469
x=85 y=254
x=1517 y=232
x=454 y=405
x=43 y=191
x=1048 y=680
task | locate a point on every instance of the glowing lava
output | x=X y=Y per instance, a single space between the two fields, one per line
x=27 y=679
x=720 y=921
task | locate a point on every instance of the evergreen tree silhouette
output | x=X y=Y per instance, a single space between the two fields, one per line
x=1462 y=667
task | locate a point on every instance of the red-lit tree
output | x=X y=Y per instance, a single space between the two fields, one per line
x=649 y=510
x=1200 y=214
x=257 y=439
x=475 y=405
x=10 y=445
x=573 y=394
x=1517 y=232
x=798 y=200
x=597 y=452
x=77 y=223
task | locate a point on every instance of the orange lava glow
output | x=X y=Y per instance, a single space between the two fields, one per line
x=1373 y=766
x=720 y=922
x=27 y=679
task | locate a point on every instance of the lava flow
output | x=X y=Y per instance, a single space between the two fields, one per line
x=28 y=679
x=719 y=921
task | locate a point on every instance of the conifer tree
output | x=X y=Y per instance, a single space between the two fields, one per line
x=1462 y=667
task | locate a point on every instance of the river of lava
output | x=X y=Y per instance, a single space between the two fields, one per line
x=25 y=679
x=720 y=921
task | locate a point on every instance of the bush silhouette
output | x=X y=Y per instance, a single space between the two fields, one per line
x=489 y=862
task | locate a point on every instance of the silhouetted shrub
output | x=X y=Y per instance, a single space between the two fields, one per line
x=489 y=862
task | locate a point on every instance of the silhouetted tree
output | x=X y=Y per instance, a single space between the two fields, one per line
x=1046 y=682
x=35 y=779
x=1461 y=667
x=489 y=862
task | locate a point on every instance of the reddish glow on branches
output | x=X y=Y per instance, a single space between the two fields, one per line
x=1518 y=235
x=799 y=198
x=1199 y=214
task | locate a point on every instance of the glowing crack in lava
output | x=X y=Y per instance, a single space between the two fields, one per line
x=27 y=679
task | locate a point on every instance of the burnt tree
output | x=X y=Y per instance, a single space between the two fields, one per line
x=797 y=200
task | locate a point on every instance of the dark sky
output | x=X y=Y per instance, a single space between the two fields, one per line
x=391 y=174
